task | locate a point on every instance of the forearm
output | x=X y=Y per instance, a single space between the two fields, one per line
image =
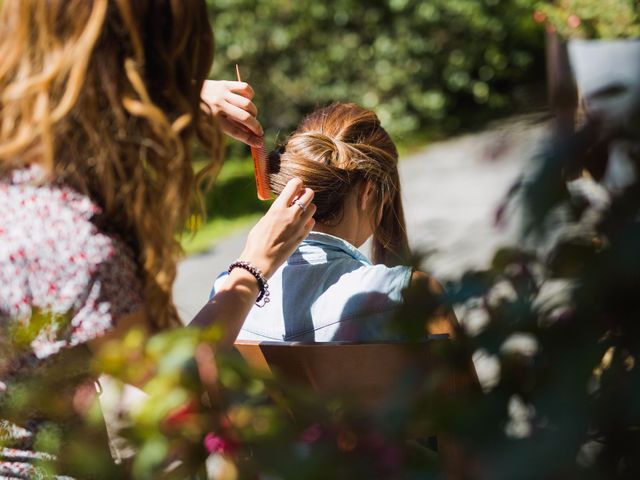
x=269 y=244
x=230 y=306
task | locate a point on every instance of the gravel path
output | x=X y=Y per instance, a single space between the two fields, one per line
x=451 y=190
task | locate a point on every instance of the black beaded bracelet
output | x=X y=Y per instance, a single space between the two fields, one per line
x=262 y=282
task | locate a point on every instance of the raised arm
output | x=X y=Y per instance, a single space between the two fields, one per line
x=271 y=241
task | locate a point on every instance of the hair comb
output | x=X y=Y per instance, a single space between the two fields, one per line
x=259 y=165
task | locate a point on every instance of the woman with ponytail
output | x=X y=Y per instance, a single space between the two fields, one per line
x=328 y=290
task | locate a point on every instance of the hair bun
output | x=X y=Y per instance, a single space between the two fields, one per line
x=326 y=149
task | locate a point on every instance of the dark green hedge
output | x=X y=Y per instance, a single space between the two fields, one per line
x=420 y=64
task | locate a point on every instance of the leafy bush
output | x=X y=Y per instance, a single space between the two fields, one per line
x=425 y=67
x=604 y=19
x=419 y=64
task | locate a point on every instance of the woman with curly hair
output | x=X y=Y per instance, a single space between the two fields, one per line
x=100 y=101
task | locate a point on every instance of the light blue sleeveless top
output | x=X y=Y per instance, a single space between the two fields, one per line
x=327 y=291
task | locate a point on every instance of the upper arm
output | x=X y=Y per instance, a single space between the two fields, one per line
x=440 y=318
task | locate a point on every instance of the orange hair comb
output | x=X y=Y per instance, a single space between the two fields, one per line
x=259 y=165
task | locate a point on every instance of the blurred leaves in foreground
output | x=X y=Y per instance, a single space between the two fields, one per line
x=552 y=325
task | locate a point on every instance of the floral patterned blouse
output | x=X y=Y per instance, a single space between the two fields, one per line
x=63 y=282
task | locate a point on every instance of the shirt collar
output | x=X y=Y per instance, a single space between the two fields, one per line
x=324 y=239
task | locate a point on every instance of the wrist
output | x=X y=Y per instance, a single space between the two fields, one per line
x=263 y=287
x=243 y=282
x=260 y=262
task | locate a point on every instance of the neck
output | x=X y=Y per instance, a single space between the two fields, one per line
x=340 y=230
x=354 y=226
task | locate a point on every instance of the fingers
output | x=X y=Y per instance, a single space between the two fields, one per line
x=283 y=227
x=289 y=193
x=305 y=198
x=241 y=88
x=307 y=218
x=305 y=222
x=309 y=226
x=219 y=86
x=242 y=102
x=231 y=103
x=243 y=118
x=306 y=215
x=294 y=194
x=216 y=93
x=240 y=133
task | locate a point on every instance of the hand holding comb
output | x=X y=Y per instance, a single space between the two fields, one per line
x=259 y=165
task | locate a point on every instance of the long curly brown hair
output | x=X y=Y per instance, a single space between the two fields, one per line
x=104 y=95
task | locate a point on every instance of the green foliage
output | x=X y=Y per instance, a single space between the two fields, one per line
x=230 y=205
x=426 y=67
x=418 y=64
x=559 y=321
x=603 y=19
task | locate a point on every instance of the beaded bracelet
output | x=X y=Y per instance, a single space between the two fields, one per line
x=262 y=282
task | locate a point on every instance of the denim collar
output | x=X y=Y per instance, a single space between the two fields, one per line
x=324 y=240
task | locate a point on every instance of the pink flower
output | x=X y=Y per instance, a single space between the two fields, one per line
x=539 y=16
x=311 y=434
x=217 y=444
x=574 y=21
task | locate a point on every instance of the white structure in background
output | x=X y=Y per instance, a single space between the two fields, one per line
x=607 y=74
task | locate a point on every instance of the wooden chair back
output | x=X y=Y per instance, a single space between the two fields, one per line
x=369 y=373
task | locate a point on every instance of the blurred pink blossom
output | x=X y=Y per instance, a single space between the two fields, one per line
x=217 y=444
x=311 y=434
x=539 y=16
x=574 y=21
